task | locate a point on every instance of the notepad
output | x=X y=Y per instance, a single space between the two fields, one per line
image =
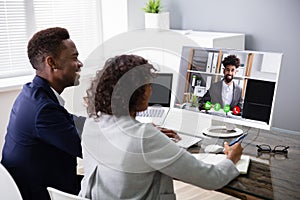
x=242 y=165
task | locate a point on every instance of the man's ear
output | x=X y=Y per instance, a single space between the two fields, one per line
x=50 y=62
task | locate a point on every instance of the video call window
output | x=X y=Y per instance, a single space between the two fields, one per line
x=247 y=100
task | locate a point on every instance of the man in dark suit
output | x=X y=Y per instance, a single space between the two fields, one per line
x=42 y=142
x=226 y=91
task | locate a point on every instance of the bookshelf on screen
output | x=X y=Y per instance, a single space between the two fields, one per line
x=257 y=75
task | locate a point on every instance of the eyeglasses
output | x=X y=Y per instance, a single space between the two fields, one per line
x=268 y=156
x=265 y=148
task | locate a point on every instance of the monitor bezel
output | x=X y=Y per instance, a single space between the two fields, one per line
x=243 y=122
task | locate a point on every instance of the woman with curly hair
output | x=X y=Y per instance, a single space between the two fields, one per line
x=126 y=159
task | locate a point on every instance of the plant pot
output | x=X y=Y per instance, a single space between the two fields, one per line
x=157 y=20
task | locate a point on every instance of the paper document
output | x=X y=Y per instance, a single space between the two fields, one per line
x=242 y=165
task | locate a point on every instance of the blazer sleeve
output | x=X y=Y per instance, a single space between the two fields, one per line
x=165 y=156
x=55 y=126
x=215 y=93
x=79 y=123
x=240 y=103
x=207 y=176
x=206 y=97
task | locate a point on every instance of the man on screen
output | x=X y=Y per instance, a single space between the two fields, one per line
x=225 y=91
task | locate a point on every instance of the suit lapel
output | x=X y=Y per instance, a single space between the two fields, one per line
x=219 y=92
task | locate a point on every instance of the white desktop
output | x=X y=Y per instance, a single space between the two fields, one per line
x=258 y=80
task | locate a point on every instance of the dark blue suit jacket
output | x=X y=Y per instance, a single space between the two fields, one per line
x=42 y=143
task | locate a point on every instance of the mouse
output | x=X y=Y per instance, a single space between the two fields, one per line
x=213 y=148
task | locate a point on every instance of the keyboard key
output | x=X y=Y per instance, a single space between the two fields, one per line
x=156 y=112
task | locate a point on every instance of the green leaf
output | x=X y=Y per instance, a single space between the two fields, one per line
x=153 y=6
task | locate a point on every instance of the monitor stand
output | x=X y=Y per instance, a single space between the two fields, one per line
x=225 y=131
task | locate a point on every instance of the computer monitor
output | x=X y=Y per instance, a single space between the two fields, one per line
x=161 y=90
x=256 y=76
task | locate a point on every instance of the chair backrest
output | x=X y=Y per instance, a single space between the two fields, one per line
x=8 y=187
x=60 y=195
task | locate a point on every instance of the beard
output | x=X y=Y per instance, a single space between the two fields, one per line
x=228 y=78
x=76 y=81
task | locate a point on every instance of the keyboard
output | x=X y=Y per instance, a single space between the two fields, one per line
x=152 y=112
x=187 y=140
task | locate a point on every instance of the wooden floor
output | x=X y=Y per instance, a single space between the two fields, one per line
x=189 y=192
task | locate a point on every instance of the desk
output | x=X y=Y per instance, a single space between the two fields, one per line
x=269 y=176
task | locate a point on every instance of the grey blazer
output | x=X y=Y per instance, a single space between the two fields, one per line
x=214 y=95
x=124 y=159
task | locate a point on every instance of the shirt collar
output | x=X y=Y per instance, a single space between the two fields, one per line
x=59 y=98
x=226 y=86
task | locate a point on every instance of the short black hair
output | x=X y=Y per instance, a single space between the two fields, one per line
x=46 y=42
x=231 y=60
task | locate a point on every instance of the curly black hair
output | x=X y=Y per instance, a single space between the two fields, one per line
x=46 y=42
x=118 y=89
x=231 y=60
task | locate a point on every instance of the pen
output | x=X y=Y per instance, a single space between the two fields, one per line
x=238 y=139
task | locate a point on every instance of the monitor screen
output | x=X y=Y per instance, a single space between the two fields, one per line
x=161 y=90
x=233 y=86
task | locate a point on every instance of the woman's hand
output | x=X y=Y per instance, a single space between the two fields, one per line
x=233 y=152
x=170 y=133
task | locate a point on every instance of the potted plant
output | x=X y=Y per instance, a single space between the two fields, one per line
x=154 y=17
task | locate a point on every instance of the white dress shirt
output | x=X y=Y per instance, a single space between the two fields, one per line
x=61 y=101
x=227 y=93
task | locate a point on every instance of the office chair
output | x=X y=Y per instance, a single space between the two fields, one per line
x=60 y=195
x=8 y=187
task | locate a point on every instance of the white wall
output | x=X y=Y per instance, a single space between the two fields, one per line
x=114 y=16
x=7 y=100
x=267 y=28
